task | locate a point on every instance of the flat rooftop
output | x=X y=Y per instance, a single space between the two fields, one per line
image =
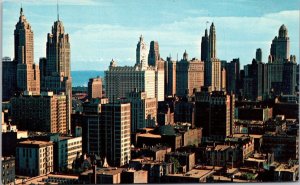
x=149 y=135
x=194 y=173
x=105 y=171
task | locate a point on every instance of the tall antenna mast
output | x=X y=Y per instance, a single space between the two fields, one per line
x=57 y=10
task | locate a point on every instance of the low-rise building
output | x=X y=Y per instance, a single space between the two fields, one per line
x=101 y=176
x=34 y=158
x=132 y=176
x=185 y=159
x=193 y=176
x=8 y=170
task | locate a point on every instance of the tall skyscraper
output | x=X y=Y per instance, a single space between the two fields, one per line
x=116 y=145
x=28 y=74
x=255 y=81
x=154 y=55
x=216 y=78
x=233 y=76
x=280 y=47
x=170 y=77
x=280 y=73
x=58 y=51
x=205 y=47
x=212 y=41
x=56 y=75
x=142 y=53
x=258 y=55
x=95 y=88
x=190 y=76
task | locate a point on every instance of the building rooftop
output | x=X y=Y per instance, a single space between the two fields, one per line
x=149 y=135
x=287 y=168
x=105 y=171
x=195 y=173
x=34 y=143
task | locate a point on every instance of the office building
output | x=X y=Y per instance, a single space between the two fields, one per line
x=116 y=145
x=214 y=113
x=190 y=75
x=8 y=170
x=56 y=67
x=205 y=47
x=143 y=110
x=95 y=88
x=46 y=112
x=170 y=77
x=216 y=76
x=34 y=158
x=28 y=73
x=212 y=41
x=9 y=78
x=233 y=76
x=154 y=55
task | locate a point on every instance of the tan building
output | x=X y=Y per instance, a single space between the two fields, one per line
x=190 y=75
x=45 y=112
x=120 y=81
x=143 y=110
x=34 y=158
x=216 y=74
x=95 y=88
x=67 y=150
x=28 y=73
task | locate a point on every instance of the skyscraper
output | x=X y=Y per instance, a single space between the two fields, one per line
x=153 y=56
x=205 y=47
x=212 y=41
x=116 y=145
x=170 y=77
x=233 y=76
x=142 y=53
x=280 y=47
x=189 y=75
x=58 y=51
x=258 y=55
x=28 y=74
x=281 y=74
x=56 y=66
x=216 y=78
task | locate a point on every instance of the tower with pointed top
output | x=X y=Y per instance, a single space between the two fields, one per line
x=205 y=47
x=212 y=41
x=142 y=53
x=56 y=69
x=28 y=77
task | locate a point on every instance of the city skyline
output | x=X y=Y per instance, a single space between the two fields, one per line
x=93 y=44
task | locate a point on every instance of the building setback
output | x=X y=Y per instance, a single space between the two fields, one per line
x=28 y=73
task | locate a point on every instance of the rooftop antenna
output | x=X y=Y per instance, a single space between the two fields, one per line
x=57 y=10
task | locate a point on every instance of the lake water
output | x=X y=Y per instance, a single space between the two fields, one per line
x=81 y=78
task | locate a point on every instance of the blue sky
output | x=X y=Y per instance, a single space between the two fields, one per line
x=102 y=30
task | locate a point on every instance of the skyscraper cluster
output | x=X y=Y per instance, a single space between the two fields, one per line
x=158 y=121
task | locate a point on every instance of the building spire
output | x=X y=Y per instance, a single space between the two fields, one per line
x=57 y=10
x=21 y=10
